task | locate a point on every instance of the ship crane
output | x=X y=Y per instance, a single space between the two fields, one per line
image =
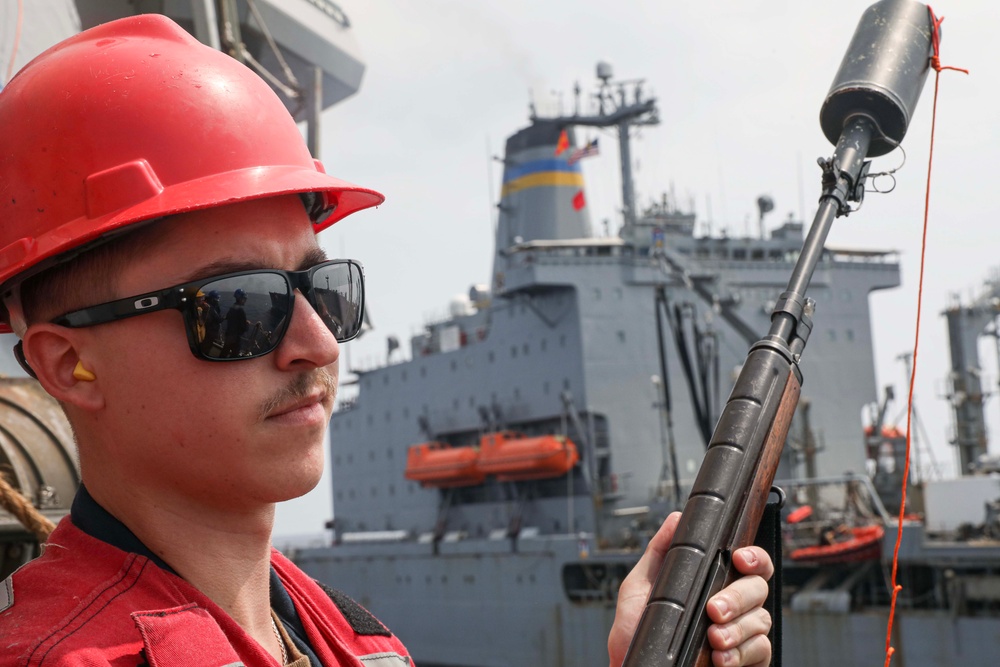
x=966 y=323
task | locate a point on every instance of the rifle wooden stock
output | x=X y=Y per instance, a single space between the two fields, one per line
x=722 y=513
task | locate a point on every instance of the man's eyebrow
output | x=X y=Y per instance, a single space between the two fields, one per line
x=219 y=267
x=312 y=257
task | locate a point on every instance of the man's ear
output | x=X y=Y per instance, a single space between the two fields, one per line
x=56 y=354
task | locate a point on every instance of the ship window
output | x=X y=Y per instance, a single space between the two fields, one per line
x=340 y=495
x=545 y=387
x=562 y=340
x=776 y=254
x=350 y=458
x=621 y=336
x=454 y=365
x=371 y=456
x=701 y=251
x=455 y=404
x=374 y=492
x=849 y=334
x=423 y=372
x=757 y=253
x=492 y=357
x=517 y=392
x=388 y=453
x=472 y=401
x=739 y=253
x=525 y=349
x=385 y=379
x=388 y=416
x=513 y=351
x=566 y=384
x=392 y=490
x=403 y=375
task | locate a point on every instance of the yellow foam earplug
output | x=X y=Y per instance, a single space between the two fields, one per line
x=82 y=374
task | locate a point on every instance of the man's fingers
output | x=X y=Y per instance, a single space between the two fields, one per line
x=737 y=599
x=753 y=560
x=725 y=636
x=753 y=653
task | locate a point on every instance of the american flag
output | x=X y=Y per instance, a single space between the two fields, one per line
x=585 y=151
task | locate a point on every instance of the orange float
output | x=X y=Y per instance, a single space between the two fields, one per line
x=863 y=543
x=512 y=456
x=436 y=464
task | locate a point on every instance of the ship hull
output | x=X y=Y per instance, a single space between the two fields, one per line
x=480 y=603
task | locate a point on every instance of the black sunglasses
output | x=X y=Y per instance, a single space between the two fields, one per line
x=243 y=315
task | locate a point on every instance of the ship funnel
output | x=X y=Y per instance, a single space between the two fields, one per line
x=542 y=196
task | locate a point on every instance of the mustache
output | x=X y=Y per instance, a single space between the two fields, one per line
x=301 y=386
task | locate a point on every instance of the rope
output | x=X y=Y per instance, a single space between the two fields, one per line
x=935 y=62
x=22 y=509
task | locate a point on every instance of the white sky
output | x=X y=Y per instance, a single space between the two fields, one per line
x=740 y=84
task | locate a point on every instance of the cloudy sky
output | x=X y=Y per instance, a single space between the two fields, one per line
x=740 y=84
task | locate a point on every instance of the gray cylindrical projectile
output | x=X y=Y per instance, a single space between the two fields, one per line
x=882 y=73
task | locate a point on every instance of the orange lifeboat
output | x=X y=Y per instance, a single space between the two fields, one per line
x=512 y=456
x=851 y=546
x=437 y=464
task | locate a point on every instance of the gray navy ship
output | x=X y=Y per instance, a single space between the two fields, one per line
x=492 y=490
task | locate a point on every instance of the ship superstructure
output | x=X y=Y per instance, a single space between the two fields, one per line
x=625 y=345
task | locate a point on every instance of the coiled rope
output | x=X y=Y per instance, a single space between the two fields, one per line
x=22 y=509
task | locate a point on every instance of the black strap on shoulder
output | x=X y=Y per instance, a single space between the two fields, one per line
x=359 y=618
x=769 y=539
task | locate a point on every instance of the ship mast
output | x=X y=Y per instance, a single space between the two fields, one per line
x=620 y=104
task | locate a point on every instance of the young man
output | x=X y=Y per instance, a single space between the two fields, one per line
x=139 y=169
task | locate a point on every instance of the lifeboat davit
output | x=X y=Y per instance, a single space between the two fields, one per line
x=863 y=543
x=514 y=457
x=436 y=464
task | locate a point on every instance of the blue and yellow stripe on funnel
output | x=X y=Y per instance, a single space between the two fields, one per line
x=541 y=173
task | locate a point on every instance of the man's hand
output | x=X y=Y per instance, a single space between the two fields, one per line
x=739 y=633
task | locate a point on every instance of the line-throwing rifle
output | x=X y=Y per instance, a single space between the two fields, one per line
x=865 y=114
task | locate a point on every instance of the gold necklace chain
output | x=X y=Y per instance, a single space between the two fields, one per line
x=281 y=642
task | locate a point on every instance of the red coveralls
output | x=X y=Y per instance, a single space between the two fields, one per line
x=85 y=603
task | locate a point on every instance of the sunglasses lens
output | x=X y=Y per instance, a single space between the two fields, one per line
x=338 y=295
x=241 y=316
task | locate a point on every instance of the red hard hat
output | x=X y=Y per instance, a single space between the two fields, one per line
x=134 y=120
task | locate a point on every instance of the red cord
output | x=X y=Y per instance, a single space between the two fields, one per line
x=17 y=39
x=896 y=588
